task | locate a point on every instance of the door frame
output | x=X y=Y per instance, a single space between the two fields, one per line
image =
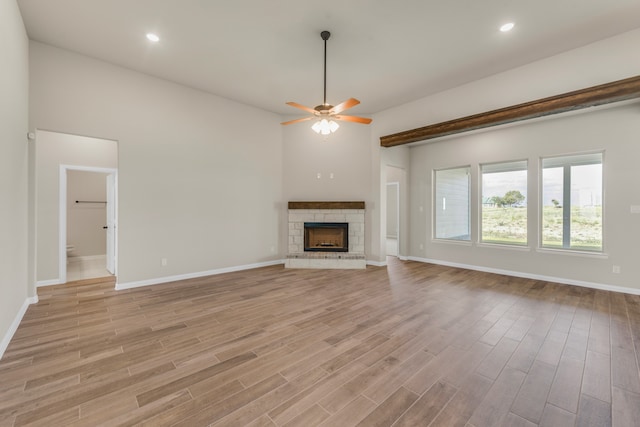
x=62 y=216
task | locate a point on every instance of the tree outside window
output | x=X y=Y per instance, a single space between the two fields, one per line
x=504 y=203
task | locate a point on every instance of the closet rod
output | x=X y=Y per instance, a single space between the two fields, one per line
x=87 y=201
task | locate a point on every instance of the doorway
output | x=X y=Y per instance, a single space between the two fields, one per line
x=395 y=238
x=88 y=221
x=393 y=218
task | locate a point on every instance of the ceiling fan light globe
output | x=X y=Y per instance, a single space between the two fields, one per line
x=325 y=127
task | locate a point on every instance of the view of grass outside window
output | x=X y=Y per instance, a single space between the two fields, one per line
x=504 y=203
x=572 y=202
x=452 y=204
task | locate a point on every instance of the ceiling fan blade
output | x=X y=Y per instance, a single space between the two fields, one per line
x=363 y=120
x=302 y=107
x=351 y=102
x=304 y=119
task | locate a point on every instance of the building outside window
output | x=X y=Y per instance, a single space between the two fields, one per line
x=504 y=203
x=452 y=204
x=572 y=202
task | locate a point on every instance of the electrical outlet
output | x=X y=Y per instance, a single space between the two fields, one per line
x=163 y=262
x=616 y=269
x=273 y=249
x=421 y=246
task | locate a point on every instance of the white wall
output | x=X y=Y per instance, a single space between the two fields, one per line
x=614 y=129
x=85 y=220
x=200 y=177
x=14 y=87
x=52 y=150
x=346 y=154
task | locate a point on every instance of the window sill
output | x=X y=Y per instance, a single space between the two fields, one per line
x=453 y=242
x=584 y=254
x=521 y=248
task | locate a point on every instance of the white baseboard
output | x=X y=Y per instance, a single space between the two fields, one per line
x=159 y=280
x=377 y=263
x=48 y=283
x=16 y=322
x=561 y=280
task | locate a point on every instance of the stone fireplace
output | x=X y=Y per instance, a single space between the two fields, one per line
x=326 y=235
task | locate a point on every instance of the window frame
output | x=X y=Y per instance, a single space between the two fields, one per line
x=481 y=196
x=434 y=204
x=567 y=196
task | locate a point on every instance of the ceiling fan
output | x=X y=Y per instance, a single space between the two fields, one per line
x=327 y=113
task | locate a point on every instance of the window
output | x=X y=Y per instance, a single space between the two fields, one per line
x=504 y=203
x=451 y=205
x=572 y=202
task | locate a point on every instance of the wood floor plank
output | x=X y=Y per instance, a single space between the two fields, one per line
x=593 y=413
x=390 y=410
x=625 y=408
x=270 y=400
x=210 y=414
x=496 y=360
x=565 y=391
x=532 y=397
x=79 y=394
x=184 y=382
x=428 y=406
x=396 y=377
x=596 y=380
x=496 y=404
x=311 y=417
x=292 y=407
x=410 y=343
x=351 y=414
x=460 y=408
x=557 y=417
x=179 y=412
x=526 y=352
x=344 y=394
x=422 y=380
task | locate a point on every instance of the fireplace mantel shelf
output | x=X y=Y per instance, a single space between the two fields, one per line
x=326 y=205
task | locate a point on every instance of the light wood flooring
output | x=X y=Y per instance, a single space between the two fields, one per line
x=409 y=345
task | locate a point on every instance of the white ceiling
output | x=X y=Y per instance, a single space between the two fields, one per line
x=265 y=53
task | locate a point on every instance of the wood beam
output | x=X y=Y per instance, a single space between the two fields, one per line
x=326 y=205
x=596 y=95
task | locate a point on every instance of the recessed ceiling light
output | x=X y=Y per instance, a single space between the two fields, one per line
x=507 y=27
x=152 y=37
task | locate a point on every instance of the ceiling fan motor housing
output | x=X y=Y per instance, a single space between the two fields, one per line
x=323 y=108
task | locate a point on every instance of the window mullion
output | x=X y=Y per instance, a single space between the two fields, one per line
x=566 y=208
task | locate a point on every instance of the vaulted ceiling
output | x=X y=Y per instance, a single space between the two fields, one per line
x=265 y=53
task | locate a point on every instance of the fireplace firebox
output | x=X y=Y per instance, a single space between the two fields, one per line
x=326 y=237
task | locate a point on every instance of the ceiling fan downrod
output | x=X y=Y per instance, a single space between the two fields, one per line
x=325 y=36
